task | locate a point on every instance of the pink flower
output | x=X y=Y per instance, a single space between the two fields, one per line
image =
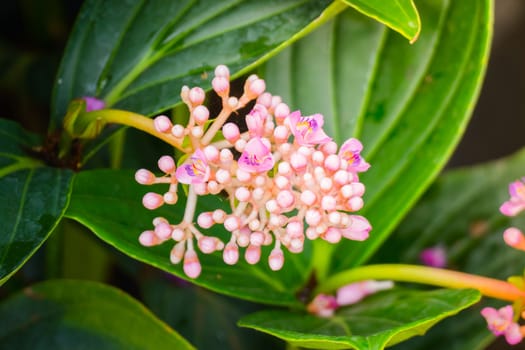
x=434 y=256
x=93 y=104
x=516 y=203
x=350 y=153
x=514 y=238
x=307 y=130
x=355 y=292
x=323 y=305
x=195 y=170
x=255 y=120
x=501 y=322
x=256 y=157
x=358 y=229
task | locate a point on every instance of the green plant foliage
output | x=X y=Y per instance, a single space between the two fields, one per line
x=81 y=315
x=408 y=104
x=103 y=208
x=380 y=320
x=400 y=15
x=109 y=203
x=213 y=321
x=152 y=48
x=34 y=198
x=460 y=212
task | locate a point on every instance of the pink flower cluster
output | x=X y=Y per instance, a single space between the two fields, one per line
x=504 y=320
x=286 y=180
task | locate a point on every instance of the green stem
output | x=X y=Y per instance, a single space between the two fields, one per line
x=321 y=259
x=425 y=275
x=116 y=146
x=134 y=120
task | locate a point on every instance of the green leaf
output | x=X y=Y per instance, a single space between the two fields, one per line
x=399 y=15
x=81 y=315
x=378 y=321
x=15 y=147
x=34 y=198
x=194 y=311
x=136 y=55
x=409 y=105
x=460 y=211
x=109 y=203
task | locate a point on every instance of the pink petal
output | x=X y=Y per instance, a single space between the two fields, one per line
x=434 y=256
x=354 y=292
x=256 y=119
x=195 y=170
x=323 y=305
x=513 y=334
x=511 y=208
x=256 y=157
x=351 y=293
x=506 y=312
x=350 y=153
x=93 y=104
x=358 y=229
x=307 y=130
x=490 y=314
x=517 y=190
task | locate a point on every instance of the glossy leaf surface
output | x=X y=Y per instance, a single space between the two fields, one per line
x=109 y=203
x=136 y=55
x=81 y=315
x=400 y=15
x=378 y=321
x=409 y=104
x=460 y=212
x=33 y=198
x=208 y=320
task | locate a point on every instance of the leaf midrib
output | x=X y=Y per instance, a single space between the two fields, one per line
x=23 y=200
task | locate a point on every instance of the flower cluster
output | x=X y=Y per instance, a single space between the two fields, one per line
x=504 y=320
x=286 y=180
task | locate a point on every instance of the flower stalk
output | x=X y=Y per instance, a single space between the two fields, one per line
x=488 y=287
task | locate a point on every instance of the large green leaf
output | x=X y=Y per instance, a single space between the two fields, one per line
x=81 y=315
x=400 y=15
x=33 y=198
x=193 y=312
x=109 y=203
x=383 y=319
x=460 y=212
x=408 y=104
x=137 y=54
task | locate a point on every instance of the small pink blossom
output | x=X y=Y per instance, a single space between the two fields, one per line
x=434 y=256
x=308 y=130
x=355 y=292
x=323 y=305
x=350 y=153
x=195 y=170
x=514 y=238
x=358 y=230
x=256 y=157
x=516 y=203
x=93 y=104
x=501 y=322
x=256 y=119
